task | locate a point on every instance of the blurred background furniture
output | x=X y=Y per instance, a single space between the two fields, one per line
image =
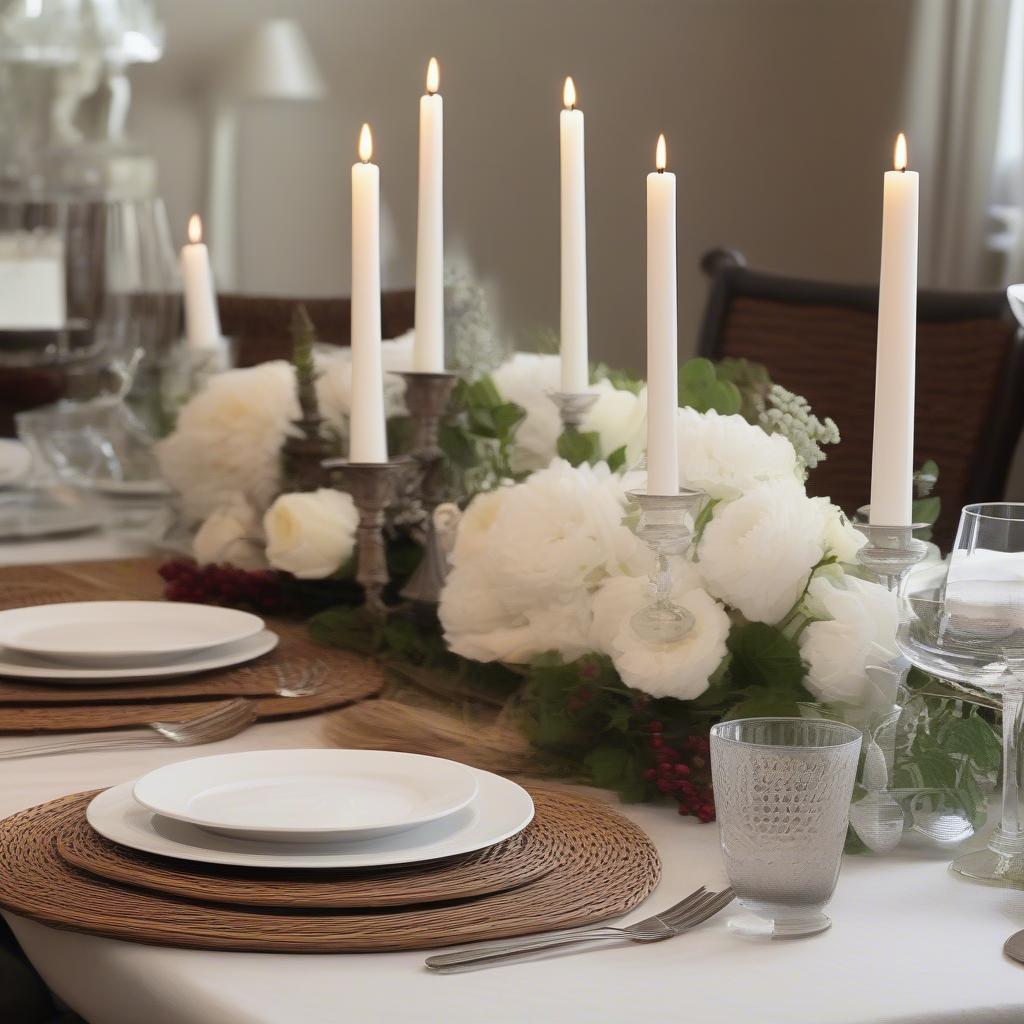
x=260 y=324
x=818 y=339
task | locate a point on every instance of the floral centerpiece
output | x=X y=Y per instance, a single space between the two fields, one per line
x=546 y=572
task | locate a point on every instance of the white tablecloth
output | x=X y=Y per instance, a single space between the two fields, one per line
x=910 y=943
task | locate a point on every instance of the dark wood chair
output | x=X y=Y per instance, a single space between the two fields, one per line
x=819 y=339
x=261 y=324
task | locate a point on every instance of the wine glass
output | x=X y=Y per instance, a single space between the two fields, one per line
x=970 y=630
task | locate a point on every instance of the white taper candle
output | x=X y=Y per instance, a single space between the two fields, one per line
x=428 y=349
x=575 y=367
x=662 y=334
x=202 y=321
x=892 y=453
x=367 y=438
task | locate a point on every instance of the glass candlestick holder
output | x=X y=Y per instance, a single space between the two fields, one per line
x=891 y=551
x=573 y=406
x=666 y=527
x=374 y=487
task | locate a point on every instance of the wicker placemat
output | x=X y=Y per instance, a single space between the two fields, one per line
x=27 y=707
x=535 y=852
x=608 y=867
x=348 y=674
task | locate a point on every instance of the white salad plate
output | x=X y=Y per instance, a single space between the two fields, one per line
x=303 y=796
x=14 y=665
x=113 y=633
x=15 y=462
x=500 y=809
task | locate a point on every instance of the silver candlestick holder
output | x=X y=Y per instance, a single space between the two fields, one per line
x=666 y=527
x=891 y=551
x=573 y=406
x=427 y=396
x=374 y=487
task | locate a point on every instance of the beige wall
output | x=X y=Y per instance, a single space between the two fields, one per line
x=780 y=116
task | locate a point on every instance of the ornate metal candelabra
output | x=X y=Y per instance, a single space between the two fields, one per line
x=891 y=551
x=573 y=406
x=666 y=526
x=427 y=396
x=373 y=486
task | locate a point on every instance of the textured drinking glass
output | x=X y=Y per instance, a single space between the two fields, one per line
x=782 y=793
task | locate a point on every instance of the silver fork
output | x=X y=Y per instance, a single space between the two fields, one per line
x=686 y=914
x=219 y=724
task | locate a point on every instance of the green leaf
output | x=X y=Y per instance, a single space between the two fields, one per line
x=457 y=445
x=701 y=389
x=617 y=459
x=507 y=417
x=763 y=656
x=607 y=765
x=578 y=447
x=926 y=510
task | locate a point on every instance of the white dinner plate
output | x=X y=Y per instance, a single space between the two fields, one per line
x=304 y=796
x=15 y=462
x=14 y=665
x=113 y=633
x=500 y=809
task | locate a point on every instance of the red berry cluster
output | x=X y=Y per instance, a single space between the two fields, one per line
x=223 y=585
x=683 y=773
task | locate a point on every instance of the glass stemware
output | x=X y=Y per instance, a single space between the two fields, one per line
x=970 y=630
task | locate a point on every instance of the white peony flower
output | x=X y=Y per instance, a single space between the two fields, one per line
x=334 y=385
x=680 y=670
x=231 y=535
x=228 y=439
x=311 y=534
x=727 y=456
x=528 y=379
x=620 y=420
x=858 y=631
x=842 y=539
x=526 y=559
x=757 y=551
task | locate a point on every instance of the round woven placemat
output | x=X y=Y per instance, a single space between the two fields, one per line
x=608 y=867
x=535 y=852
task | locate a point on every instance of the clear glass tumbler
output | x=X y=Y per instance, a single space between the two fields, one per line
x=782 y=793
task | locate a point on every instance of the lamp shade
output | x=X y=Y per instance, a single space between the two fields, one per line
x=276 y=63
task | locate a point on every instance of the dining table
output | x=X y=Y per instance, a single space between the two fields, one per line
x=910 y=942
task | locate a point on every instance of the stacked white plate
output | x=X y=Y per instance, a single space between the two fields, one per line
x=312 y=809
x=110 y=641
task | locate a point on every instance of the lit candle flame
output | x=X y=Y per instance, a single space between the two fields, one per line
x=433 y=76
x=660 y=159
x=569 y=94
x=195 y=229
x=899 y=157
x=365 y=144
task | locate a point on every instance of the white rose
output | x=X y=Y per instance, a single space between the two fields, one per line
x=727 y=456
x=527 y=558
x=228 y=439
x=857 y=632
x=758 y=551
x=842 y=539
x=679 y=670
x=231 y=536
x=311 y=534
